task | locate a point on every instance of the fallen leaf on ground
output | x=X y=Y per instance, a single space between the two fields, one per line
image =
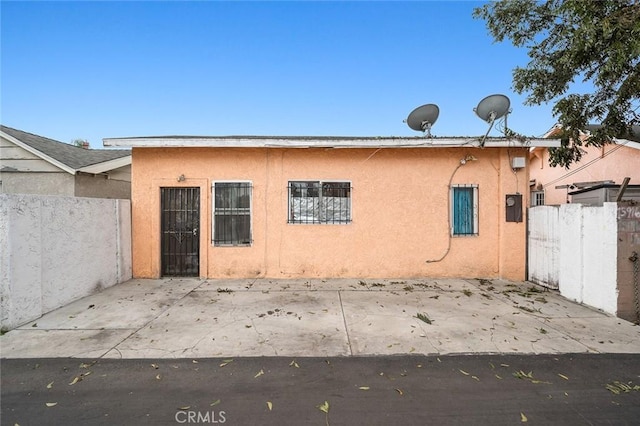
x=399 y=391
x=364 y=388
x=225 y=362
x=158 y=377
x=186 y=407
x=214 y=403
x=51 y=404
x=463 y=372
x=324 y=407
x=563 y=376
x=269 y=405
x=523 y=418
x=294 y=364
x=618 y=387
x=155 y=366
x=424 y=318
x=75 y=380
x=50 y=385
x=528 y=376
x=259 y=373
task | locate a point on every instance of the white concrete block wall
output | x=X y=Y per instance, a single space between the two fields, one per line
x=600 y=257
x=571 y=252
x=59 y=249
x=544 y=245
x=579 y=245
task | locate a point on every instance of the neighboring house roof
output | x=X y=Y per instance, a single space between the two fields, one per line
x=536 y=150
x=629 y=139
x=604 y=185
x=322 y=142
x=69 y=158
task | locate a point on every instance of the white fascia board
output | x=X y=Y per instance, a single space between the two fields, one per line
x=350 y=142
x=627 y=142
x=106 y=166
x=39 y=154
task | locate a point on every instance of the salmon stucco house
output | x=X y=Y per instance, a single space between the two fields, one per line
x=302 y=207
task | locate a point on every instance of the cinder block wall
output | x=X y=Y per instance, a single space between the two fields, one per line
x=628 y=243
x=54 y=250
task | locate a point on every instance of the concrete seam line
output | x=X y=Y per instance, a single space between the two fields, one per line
x=344 y=320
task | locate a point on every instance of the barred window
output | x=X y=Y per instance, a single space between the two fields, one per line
x=464 y=210
x=319 y=202
x=537 y=198
x=232 y=213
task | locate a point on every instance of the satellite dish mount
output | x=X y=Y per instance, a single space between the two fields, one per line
x=492 y=108
x=423 y=117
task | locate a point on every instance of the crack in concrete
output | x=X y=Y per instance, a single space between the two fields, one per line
x=166 y=307
x=426 y=336
x=261 y=339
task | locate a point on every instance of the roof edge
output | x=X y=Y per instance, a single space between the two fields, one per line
x=38 y=153
x=322 y=142
x=106 y=166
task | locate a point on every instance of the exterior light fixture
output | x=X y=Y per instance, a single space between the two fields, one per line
x=464 y=160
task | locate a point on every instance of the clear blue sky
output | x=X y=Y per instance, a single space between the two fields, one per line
x=93 y=70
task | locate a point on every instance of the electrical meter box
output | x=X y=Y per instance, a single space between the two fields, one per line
x=517 y=163
x=513 y=204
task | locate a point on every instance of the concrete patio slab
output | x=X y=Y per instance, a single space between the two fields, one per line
x=22 y=343
x=194 y=318
x=129 y=305
x=209 y=323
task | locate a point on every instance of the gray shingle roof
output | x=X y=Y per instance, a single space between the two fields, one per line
x=72 y=156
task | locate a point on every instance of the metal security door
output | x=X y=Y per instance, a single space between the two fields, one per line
x=180 y=240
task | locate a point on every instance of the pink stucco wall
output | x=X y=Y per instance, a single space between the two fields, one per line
x=611 y=162
x=399 y=211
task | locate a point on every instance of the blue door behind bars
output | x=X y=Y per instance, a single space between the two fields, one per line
x=462 y=211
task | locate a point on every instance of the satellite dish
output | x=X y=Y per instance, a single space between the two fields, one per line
x=490 y=109
x=423 y=117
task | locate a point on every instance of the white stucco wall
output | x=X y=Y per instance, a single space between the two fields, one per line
x=585 y=241
x=571 y=243
x=20 y=259
x=544 y=245
x=59 y=249
x=600 y=257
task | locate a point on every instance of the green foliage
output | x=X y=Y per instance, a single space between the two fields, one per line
x=79 y=142
x=597 y=42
